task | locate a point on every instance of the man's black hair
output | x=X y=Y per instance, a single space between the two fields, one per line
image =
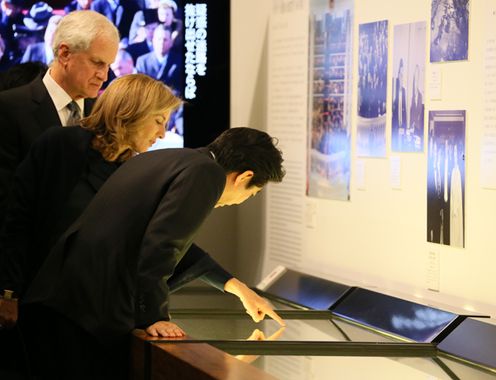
x=241 y=149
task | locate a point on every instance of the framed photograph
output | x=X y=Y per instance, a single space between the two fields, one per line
x=446 y=178
x=372 y=89
x=449 y=30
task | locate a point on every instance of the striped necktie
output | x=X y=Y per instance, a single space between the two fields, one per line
x=74 y=115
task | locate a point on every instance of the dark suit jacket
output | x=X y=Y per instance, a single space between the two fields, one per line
x=25 y=112
x=400 y=92
x=53 y=185
x=170 y=74
x=417 y=113
x=107 y=271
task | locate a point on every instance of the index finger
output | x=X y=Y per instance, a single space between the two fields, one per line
x=271 y=313
x=277 y=334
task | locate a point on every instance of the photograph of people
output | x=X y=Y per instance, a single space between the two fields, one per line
x=11 y=14
x=143 y=44
x=162 y=63
x=449 y=30
x=123 y=64
x=372 y=87
x=120 y=13
x=330 y=147
x=407 y=119
x=77 y=5
x=417 y=110
x=42 y=51
x=165 y=12
x=399 y=107
x=446 y=178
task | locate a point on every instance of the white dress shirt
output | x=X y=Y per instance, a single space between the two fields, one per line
x=60 y=98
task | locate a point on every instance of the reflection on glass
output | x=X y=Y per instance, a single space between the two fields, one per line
x=240 y=327
x=473 y=340
x=413 y=321
x=308 y=291
x=259 y=336
x=422 y=319
x=210 y=298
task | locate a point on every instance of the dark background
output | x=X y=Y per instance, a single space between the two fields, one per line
x=206 y=116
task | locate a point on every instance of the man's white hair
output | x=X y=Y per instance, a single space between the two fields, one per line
x=79 y=29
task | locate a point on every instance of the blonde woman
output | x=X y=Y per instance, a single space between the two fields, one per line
x=59 y=177
x=66 y=166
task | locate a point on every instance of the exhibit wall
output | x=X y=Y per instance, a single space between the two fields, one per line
x=377 y=232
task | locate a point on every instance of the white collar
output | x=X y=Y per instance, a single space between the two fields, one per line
x=59 y=97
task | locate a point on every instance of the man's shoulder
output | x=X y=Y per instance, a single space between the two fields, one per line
x=183 y=157
x=169 y=153
x=19 y=96
x=200 y=161
x=68 y=142
x=67 y=138
x=66 y=134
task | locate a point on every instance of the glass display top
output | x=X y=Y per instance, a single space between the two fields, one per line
x=301 y=326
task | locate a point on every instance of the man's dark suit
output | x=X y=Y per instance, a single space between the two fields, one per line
x=106 y=272
x=53 y=185
x=399 y=106
x=25 y=112
x=170 y=74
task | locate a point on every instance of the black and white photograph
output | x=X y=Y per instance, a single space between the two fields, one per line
x=446 y=178
x=449 y=30
x=372 y=89
x=408 y=88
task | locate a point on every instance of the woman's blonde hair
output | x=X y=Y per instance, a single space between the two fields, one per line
x=119 y=112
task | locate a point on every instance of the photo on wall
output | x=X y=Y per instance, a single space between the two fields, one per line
x=449 y=30
x=408 y=87
x=446 y=178
x=329 y=154
x=372 y=89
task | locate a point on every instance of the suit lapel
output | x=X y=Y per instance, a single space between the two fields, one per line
x=45 y=112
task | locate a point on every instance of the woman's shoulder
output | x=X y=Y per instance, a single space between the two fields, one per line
x=65 y=134
x=67 y=139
